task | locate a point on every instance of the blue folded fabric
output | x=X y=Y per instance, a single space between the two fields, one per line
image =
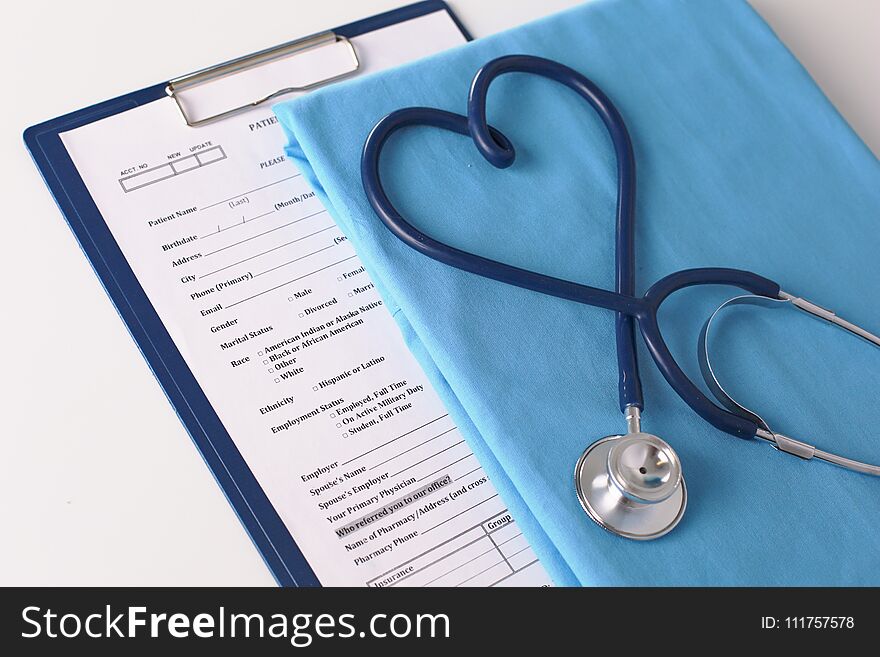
x=742 y=162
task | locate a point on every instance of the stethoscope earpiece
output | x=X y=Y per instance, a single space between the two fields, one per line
x=632 y=485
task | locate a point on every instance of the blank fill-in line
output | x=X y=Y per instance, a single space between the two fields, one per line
x=461 y=565
x=466 y=474
x=226 y=200
x=266 y=232
x=293 y=280
x=437 y=547
x=449 y=465
x=527 y=547
x=460 y=513
x=497 y=563
x=403 y=435
x=514 y=537
x=290 y=262
x=412 y=448
x=432 y=563
x=410 y=467
x=530 y=563
x=240 y=223
x=274 y=248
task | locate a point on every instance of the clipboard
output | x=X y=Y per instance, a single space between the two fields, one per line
x=262 y=522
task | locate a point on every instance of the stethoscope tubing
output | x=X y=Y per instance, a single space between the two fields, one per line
x=501 y=156
x=499 y=151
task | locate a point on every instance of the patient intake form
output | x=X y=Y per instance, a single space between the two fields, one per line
x=282 y=328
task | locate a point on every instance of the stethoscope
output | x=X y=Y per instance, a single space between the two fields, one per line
x=630 y=484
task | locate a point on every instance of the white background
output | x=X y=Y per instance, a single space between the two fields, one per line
x=99 y=482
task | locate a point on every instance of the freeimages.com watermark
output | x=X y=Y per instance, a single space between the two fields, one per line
x=300 y=630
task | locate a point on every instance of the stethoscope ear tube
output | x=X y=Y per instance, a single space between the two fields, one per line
x=703 y=356
x=781 y=442
x=718 y=416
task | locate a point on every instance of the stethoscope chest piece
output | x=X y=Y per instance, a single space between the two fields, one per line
x=632 y=485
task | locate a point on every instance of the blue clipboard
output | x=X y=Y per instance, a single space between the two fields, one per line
x=262 y=522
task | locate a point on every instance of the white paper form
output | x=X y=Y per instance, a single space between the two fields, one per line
x=289 y=340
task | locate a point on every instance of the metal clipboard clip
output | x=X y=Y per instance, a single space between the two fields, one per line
x=178 y=85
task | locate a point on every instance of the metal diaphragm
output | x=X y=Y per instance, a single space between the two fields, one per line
x=632 y=485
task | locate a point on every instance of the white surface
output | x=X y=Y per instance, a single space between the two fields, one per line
x=100 y=484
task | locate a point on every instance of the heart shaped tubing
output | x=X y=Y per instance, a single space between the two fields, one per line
x=499 y=151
